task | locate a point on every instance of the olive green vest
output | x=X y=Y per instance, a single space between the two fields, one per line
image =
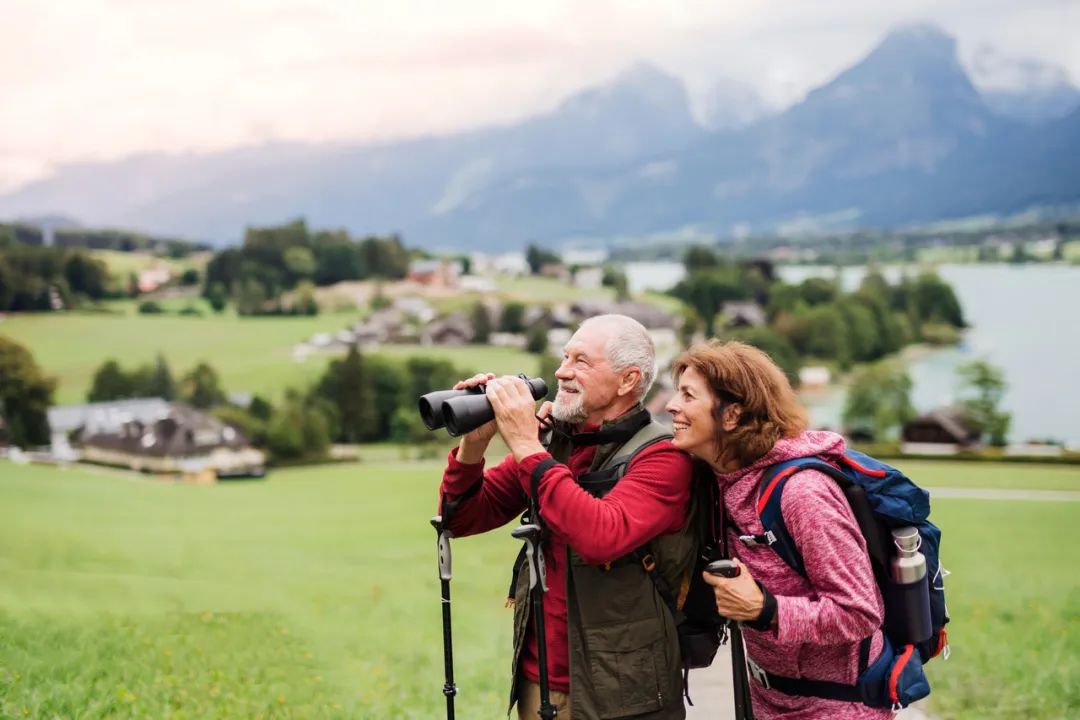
x=624 y=649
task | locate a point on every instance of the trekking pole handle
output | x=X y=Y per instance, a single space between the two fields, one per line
x=727 y=569
x=723 y=568
x=534 y=555
x=443 y=547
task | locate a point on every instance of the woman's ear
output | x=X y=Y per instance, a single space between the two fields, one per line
x=732 y=413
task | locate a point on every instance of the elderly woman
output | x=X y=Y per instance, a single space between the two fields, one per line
x=735 y=409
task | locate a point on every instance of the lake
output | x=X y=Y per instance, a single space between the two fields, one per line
x=1022 y=320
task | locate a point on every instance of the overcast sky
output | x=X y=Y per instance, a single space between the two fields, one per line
x=100 y=79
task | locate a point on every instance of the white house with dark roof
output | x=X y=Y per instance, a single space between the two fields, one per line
x=152 y=435
x=70 y=422
x=186 y=441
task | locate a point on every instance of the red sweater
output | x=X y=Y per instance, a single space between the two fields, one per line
x=651 y=499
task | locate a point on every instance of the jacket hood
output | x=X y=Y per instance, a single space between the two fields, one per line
x=811 y=442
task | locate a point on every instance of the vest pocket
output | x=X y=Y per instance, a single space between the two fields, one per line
x=625 y=663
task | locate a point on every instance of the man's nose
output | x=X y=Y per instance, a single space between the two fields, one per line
x=564 y=373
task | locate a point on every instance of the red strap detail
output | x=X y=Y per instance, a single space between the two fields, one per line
x=764 y=499
x=898 y=668
x=942 y=641
x=860 y=468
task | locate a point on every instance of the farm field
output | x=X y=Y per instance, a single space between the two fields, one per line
x=995 y=475
x=251 y=354
x=314 y=594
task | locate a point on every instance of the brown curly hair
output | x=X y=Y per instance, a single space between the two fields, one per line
x=743 y=375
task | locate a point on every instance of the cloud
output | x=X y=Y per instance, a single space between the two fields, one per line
x=104 y=78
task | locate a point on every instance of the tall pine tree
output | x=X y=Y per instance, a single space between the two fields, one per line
x=348 y=385
x=161 y=383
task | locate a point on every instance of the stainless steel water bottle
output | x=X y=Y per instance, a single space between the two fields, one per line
x=908 y=564
x=908 y=597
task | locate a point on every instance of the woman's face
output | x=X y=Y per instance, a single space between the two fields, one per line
x=691 y=410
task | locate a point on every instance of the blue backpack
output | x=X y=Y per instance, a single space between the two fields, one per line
x=882 y=498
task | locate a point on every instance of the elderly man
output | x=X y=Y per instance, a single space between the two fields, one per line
x=613 y=493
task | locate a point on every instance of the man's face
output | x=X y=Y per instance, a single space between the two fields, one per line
x=587 y=383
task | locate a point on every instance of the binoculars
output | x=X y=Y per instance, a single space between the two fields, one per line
x=462 y=411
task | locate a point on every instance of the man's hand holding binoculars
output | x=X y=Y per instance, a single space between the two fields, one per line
x=515 y=418
x=515 y=414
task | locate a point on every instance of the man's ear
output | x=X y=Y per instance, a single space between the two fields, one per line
x=629 y=381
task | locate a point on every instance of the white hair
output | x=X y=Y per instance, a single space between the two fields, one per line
x=629 y=346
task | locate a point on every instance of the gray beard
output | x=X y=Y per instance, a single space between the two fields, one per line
x=573 y=413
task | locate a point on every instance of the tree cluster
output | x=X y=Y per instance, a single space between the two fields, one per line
x=200 y=386
x=35 y=277
x=359 y=398
x=120 y=240
x=816 y=320
x=537 y=257
x=982 y=391
x=25 y=397
x=276 y=260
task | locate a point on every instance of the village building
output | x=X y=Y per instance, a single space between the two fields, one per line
x=651 y=316
x=69 y=424
x=454 y=330
x=415 y=307
x=476 y=284
x=943 y=431
x=555 y=270
x=434 y=273
x=744 y=314
x=187 y=442
x=152 y=278
x=814 y=377
x=589 y=278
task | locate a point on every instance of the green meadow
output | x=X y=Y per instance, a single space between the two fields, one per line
x=991 y=475
x=313 y=594
x=252 y=354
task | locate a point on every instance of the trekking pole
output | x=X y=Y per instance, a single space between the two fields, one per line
x=744 y=710
x=443 y=545
x=534 y=555
x=740 y=685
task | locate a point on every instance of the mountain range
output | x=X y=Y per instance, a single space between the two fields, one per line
x=901 y=137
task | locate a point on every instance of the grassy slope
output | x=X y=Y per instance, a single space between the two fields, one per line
x=121 y=264
x=314 y=594
x=1003 y=475
x=111 y=588
x=1014 y=595
x=251 y=354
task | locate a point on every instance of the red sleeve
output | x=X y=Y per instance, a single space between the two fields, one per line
x=481 y=500
x=651 y=499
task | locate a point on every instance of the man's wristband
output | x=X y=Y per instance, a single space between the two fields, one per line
x=768 y=611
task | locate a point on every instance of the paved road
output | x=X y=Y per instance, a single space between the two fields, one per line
x=710 y=689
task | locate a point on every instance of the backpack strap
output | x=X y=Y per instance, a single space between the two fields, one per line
x=777 y=536
x=768 y=506
x=650 y=434
x=620 y=462
x=769 y=494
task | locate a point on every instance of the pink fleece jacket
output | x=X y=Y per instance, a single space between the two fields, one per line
x=822 y=619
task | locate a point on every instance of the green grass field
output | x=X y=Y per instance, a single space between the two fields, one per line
x=996 y=475
x=314 y=594
x=121 y=264
x=531 y=289
x=251 y=354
